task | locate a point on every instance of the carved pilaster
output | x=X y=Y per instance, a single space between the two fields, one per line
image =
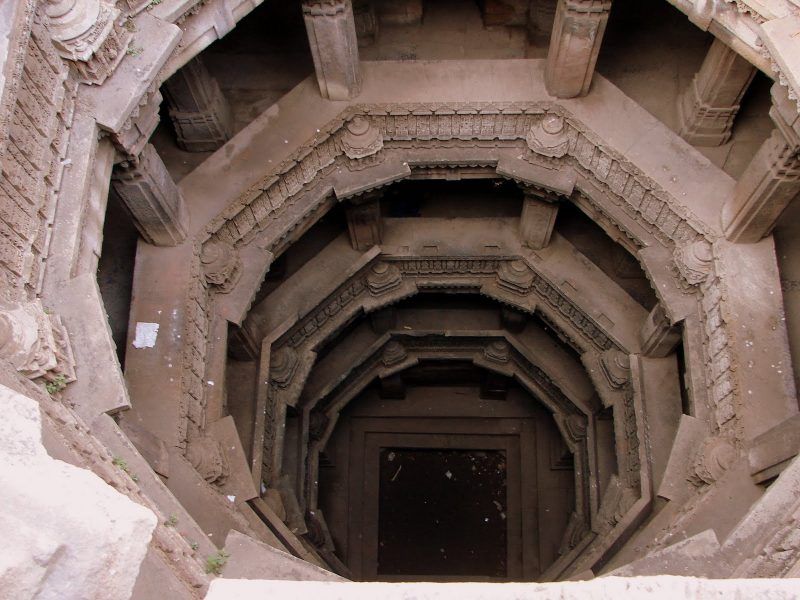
x=537 y=220
x=364 y=223
x=658 y=336
x=707 y=108
x=574 y=45
x=89 y=34
x=770 y=181
x=332 y=36
x=198 y=109
x=152 y=198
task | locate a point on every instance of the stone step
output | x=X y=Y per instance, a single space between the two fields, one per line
x=697 y=556
x=251 y=559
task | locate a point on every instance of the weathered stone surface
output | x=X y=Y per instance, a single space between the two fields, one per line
x=537 y=221
x=697 y=556
x=399 y=12
x=251 y=559
x=86 y=541
x=610 y=587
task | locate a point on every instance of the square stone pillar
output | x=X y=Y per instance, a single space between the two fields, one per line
x=658 y=336
x=574 y=45
x=332 y=36
x=152 y=198
x=707 y=108
x=198 y=109
x=537 y=220
x=364 y=222
x=770 y=181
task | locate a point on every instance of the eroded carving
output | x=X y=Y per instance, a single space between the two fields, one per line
x=361 y=138
x=209 y=459
x=383 y=277
x=515 y=276
x=283 y=365
x=548 y=136
x=694 y=261
x=221 y=264
x=713 y=459
x=616 y=366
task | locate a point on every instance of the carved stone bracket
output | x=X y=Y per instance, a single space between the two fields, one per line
x=616 y=366
x=694 y=261
x=208 y=458
x=283 y=365
x=36 y=343
x=548 y=136
x=394 y=353
x=383 y=277
x=714 y=458
x=221 y=265
x=89 y=34
x=361 y=138
x=515 y=276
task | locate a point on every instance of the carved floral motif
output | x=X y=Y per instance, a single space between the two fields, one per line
x=221 y=264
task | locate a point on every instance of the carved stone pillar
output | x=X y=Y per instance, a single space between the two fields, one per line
x=574 y=45
x=332 y=35
x=771 y=180
x=537 y=221
x=89 y=34
x=152 y=198
x=198 y=109
x=707 y=108
x=658 y=336
x=364 y=222
x=541 y=16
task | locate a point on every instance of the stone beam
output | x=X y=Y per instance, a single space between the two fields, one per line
x=537 y=220
x=364 y=222
x=198 y=109
x=332 y=36
x=708 y=107
x=152 y=198
x=399 y=12
x=658 y=336
x=770 y=181
x=574 y=46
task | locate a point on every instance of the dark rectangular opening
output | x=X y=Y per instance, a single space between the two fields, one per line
x=442 y=512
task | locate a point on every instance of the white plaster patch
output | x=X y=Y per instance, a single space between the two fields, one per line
x=146 y=334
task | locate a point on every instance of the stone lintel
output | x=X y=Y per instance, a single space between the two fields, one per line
x=574 y=46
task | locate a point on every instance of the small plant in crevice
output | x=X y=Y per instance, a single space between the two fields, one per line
x=171 y=522
x=134 y=50
x=194 y=546
x=216 y=562
x=58 y=383
x=120 y=462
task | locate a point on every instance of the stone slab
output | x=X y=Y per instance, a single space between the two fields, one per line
x=697 y=556
x=773 y=449
x=690 y=434
x=606 y=588
x=239 y=483
x=113 y=103
x=251 y=559
x=100 y=387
